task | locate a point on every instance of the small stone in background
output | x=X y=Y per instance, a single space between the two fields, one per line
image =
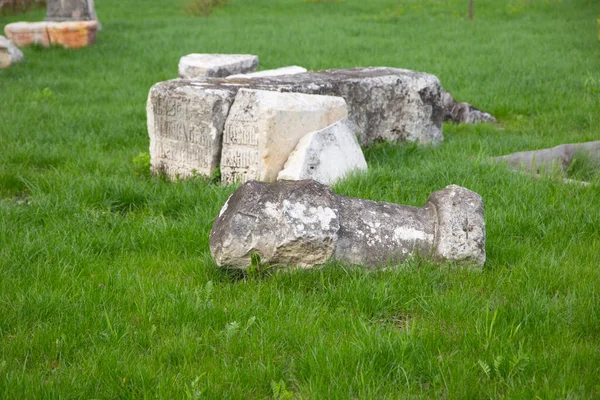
x=199 y=66
x=28 y=33
x=70 y=10
x=185 y=124
x=326 y=155
x=264 y=127
x=9 y=53
x=270 y=72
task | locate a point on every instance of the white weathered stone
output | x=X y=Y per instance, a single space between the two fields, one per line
x=326 y=155
x=303 y=223
x=200 y=66
x=292 y=70
x=387 y=104
x=28 y=33
x=264 y=127
x=9 y=53
x=185 y=124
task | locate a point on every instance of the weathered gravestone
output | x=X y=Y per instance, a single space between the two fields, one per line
x=304 y=223
x=200 y=66
x=185 y=124
x=326 y=155
x=70 y=10
x=386 y=104
x=9 y=53
x=264 y=127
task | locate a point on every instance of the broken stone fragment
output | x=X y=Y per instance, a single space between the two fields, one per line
x=264 y=127
x=185 y=125
x=9 y=53
x=463 y=113
x=304 y=224
x=270 y=72
x=546 y=159
x=28 y=33
x=200 y=66
x=326 y=155
x=70 y=10
x=386 y=104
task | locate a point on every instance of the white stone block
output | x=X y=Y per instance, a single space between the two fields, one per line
x=326 y=155
x=292 y=70
x=264 y=127
x=185 y=124
x=200 y=66
x=9 y=53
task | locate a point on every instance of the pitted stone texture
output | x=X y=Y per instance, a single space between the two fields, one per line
x=303 y=223
x=292 y=70
x=291 y=223
x=28 y=33
x=326 y=155
x=461 y=228
x=9 y=53
x=70 y=10
x=264 y=127
x=463 y=113
x=185 y=124
x=72 y=34
x=200 y=66
x=387 y=104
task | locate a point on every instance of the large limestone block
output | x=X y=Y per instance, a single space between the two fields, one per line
x=264 y=127
x=292 y=70
x=70 y=10
x=386 y=103
x=72 y=35
x=326 y=155
x=303 y=223
x=28 y=33
x=200 y=66
x=185 y=124
x=9 y=53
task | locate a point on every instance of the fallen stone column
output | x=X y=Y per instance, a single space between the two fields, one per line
x=200 y=66
x=304 y=224
x=9 y=53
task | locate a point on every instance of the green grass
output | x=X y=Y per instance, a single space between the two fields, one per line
x=107 y=287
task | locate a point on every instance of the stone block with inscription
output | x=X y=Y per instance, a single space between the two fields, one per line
x=185 y=124
x=200 y=66
x=264 y=127
x=386 y=104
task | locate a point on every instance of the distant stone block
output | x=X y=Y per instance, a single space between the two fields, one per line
x=70 y=34
x=326 y=155
x=199 y=66
x=185 y=124
x=292 y=70
x=28 y=33
x=70 y=10
x=264 y=127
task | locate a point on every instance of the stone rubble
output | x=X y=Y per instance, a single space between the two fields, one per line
x=201 y=66
x=9 y=53
x=264 y=127
x=305 y=224
x=326 y=155
x=463 y=113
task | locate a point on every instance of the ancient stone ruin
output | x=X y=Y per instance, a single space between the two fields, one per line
x=200 y=66
x=305 y=224
x=71 y=24
x=9 y=53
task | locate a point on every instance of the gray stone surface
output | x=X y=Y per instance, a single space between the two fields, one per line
x=386 y=104
x=291 y=70
x=70 y=10
x=303 y=223
x=201 y=66
x=9 y=53
x=463 y=113
x=326 y=155
x=264 y=127
x=185 y=125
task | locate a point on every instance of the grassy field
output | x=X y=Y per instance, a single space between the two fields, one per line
x=107 y=287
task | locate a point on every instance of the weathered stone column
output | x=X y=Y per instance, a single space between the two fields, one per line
x=304 y=223
x=70 y=10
